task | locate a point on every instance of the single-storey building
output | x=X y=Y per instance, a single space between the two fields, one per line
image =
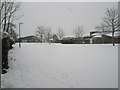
x=27 y=39
x=98 y=38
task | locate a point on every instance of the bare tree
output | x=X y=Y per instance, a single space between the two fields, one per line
x=101 y=29
x=8 y=9
x=48 y=34
x=60 y=33
x=40 y=32
x=78 y=32
x=111 y=21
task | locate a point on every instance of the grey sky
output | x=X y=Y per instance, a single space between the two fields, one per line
x=66 y=15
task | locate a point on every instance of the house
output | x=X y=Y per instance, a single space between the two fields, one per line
x=93 y=32
x=68 y=40
x=95 y=37
x=87 y=39
x=75 y=40
x=27 y=39
x=98 y=38
x=55 y=39
x=107 y=38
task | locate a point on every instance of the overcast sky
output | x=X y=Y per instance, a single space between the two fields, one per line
x=66 y=15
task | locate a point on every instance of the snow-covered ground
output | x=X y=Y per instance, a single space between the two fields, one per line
x=62 y=66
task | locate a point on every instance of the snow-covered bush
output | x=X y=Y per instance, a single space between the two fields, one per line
x=7 y=43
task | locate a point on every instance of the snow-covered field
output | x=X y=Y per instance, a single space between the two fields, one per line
x=62 y=66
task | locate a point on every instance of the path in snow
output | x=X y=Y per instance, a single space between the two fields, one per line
x=62 y=66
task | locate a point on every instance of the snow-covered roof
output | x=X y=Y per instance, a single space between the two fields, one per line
x=98 y=36
x=68 y=36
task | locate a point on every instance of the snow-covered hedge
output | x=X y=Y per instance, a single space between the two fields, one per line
x=7 y=43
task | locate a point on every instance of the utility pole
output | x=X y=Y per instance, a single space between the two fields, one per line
x=19 y=34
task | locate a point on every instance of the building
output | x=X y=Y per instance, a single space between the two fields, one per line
x=28 y=39
x=68 y=40
x=86 y=39
x=107 y=38
x=100 y=38
x=55 y=39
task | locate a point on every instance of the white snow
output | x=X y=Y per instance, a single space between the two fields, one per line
x=97 y=36
x=62 y=66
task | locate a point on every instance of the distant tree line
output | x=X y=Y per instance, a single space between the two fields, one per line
x=78 y=31
x=44 y=33
x=109 y=25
